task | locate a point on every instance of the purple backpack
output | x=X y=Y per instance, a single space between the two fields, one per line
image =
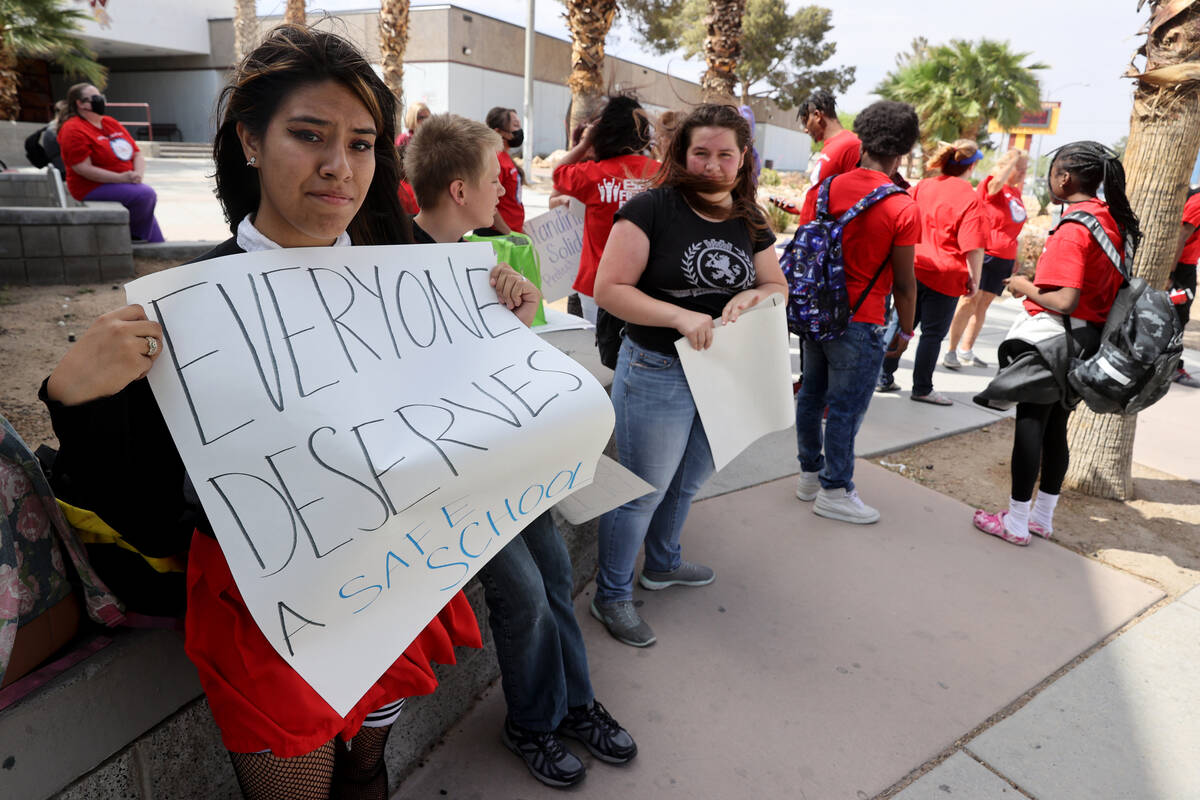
x=818 y=307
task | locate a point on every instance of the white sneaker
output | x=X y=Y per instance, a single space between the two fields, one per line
x=950 y=361
x=844 y=506
x=807 y=486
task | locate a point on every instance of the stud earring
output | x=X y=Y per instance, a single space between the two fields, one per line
x=253 y=162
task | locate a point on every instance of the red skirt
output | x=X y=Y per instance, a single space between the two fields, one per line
x=258 y=701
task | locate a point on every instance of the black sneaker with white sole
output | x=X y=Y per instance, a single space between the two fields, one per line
x=546 y=757
x=601 y=734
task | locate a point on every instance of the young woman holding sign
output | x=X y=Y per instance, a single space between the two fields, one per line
x=303 y=159
x=695 y=247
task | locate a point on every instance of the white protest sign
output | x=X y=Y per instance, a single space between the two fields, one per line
x=365 y=427
x=558 y=239
x=614 y=485
x=742 y=384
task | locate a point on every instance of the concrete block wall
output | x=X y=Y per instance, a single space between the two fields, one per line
x=88 y=244
x=28 y=189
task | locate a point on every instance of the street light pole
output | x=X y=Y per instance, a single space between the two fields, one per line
x=527 y=148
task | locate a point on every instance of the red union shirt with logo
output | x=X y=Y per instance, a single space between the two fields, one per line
x=603 y=187
x=109 y=147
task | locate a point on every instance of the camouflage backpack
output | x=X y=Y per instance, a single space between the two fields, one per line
x=818 y=306
x=1141 y=345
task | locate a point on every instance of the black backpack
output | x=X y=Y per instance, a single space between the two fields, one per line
x=34 y=152
x=1141 y=346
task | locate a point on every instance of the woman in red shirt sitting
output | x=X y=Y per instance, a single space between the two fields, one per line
x=616 y=140
x=1077 y=281
x=103 y=162
x=1000 y=192
x=948 y=261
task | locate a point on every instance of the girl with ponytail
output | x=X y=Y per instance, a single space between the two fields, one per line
x=1075 y=283
x=949 y=260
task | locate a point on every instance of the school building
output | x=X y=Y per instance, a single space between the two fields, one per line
x=175 y=58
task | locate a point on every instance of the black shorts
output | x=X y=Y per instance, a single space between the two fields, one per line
x=995 y=270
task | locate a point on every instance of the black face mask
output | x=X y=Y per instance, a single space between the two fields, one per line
x=98 y=103
x=518 y=138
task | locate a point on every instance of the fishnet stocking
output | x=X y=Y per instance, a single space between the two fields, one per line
x=361 y=772
x=264 y=776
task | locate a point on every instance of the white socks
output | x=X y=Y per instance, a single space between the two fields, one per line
x=1043 y=510
x=966 y=355
x=1017 y=519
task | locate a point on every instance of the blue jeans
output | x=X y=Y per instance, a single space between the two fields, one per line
x=841 y=375
x=543 y=662
x=935 y=312
x=661 y=440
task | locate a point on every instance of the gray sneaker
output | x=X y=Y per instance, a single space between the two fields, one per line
x=686 y=574
x=844 y=506
x=950 y=360
x=807 y=486
x=623 y=622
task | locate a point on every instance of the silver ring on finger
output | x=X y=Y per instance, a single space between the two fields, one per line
x=152 y=344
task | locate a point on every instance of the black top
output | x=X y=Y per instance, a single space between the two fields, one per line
x=694 y=263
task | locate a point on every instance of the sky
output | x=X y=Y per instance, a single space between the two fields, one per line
x=1088 y=44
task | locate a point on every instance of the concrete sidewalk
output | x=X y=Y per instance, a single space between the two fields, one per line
x=832 y=661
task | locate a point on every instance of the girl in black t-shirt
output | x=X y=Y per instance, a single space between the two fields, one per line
x=693 y=248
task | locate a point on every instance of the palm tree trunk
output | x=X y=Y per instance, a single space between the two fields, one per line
x=722 y=49
x=1164 y=136
x=393 y=40
x=589 y=21
x=10 y=79
x=245 y=28
x=294 y=14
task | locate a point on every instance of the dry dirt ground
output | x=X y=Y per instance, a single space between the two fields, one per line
x=1154 y=536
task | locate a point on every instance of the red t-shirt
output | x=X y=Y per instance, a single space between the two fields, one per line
x=1191 y=215
x=868 y=239
x=1073 y=259
x=510 y=208
x=953 y=220
x=110 y=147
x=603 y=187
x=408 y=199
x=839 y=155
x=1006 y=217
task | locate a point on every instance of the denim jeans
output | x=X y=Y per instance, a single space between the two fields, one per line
x=841 y=375
x=543 y=662
x=935 y=312
x=660 y=439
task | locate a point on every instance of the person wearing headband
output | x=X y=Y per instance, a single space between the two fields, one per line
x=949 y=260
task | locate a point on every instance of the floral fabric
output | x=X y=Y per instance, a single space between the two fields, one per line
x=33 y=537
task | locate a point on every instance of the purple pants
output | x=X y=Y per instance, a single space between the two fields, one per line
x=140 y=199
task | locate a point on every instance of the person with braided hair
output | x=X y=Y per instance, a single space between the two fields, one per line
x=1071 y=294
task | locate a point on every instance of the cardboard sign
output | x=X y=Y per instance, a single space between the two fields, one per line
x=365 y=427
x=742 y=383
x=558 y=239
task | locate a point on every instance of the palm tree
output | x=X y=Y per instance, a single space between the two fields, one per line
x=393 y=39
x=245 y=28
x=1164 y=137
x=589 y=22
x=294 y=13
x=43 y=29
x=956 y=88
x=722 y=49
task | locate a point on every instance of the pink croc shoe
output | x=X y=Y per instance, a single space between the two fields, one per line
x=994 y=524
x=1037 y=529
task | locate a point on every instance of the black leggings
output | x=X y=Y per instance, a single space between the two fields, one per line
x=1041 y=440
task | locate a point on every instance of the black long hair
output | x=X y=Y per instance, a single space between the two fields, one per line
x=290 y=57
x=1093 y=165
x=622 y=128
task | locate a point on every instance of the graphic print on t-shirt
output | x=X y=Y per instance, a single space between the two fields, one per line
x=619 y=190
x=714 y=266
x=1016 y=210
